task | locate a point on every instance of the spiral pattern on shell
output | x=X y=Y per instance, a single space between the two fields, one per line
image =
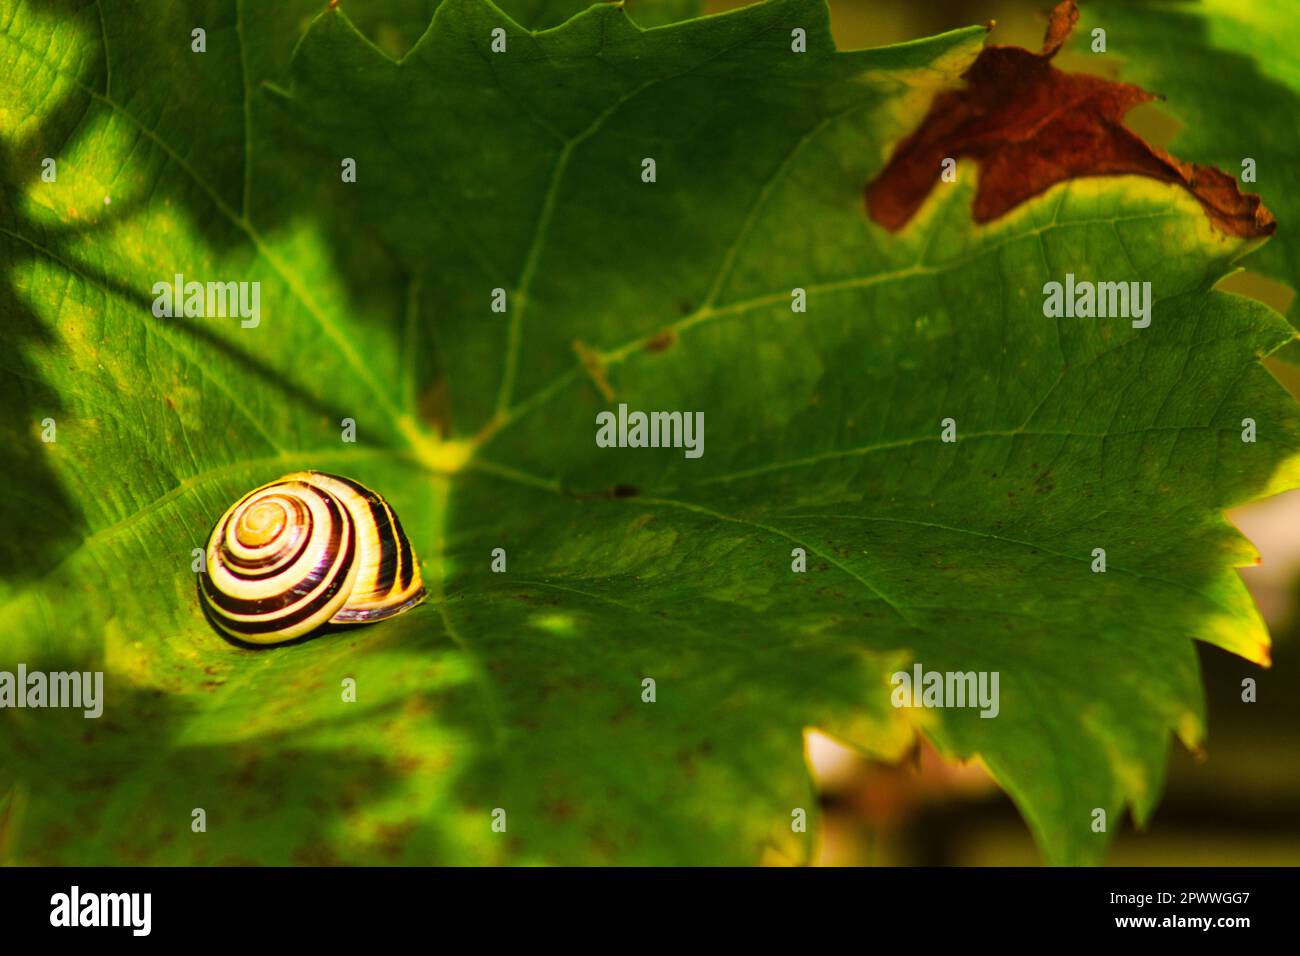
x=303 y=550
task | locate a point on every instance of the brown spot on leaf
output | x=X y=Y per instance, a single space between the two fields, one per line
x=392 y=838
x=1031 y=126
x=316 y=853
x=559 y=810
x=662 y=341
x=620 y=490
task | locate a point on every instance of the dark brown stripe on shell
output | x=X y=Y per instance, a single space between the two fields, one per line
x=297 y=617
x=300 y=589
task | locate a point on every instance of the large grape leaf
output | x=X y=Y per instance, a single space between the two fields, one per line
x=523 y=690
x=1231 y=81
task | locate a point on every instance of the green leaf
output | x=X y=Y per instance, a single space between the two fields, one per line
x=523 y=690
x=1230 y=80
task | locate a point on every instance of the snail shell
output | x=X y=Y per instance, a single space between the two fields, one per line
x=303 y=550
